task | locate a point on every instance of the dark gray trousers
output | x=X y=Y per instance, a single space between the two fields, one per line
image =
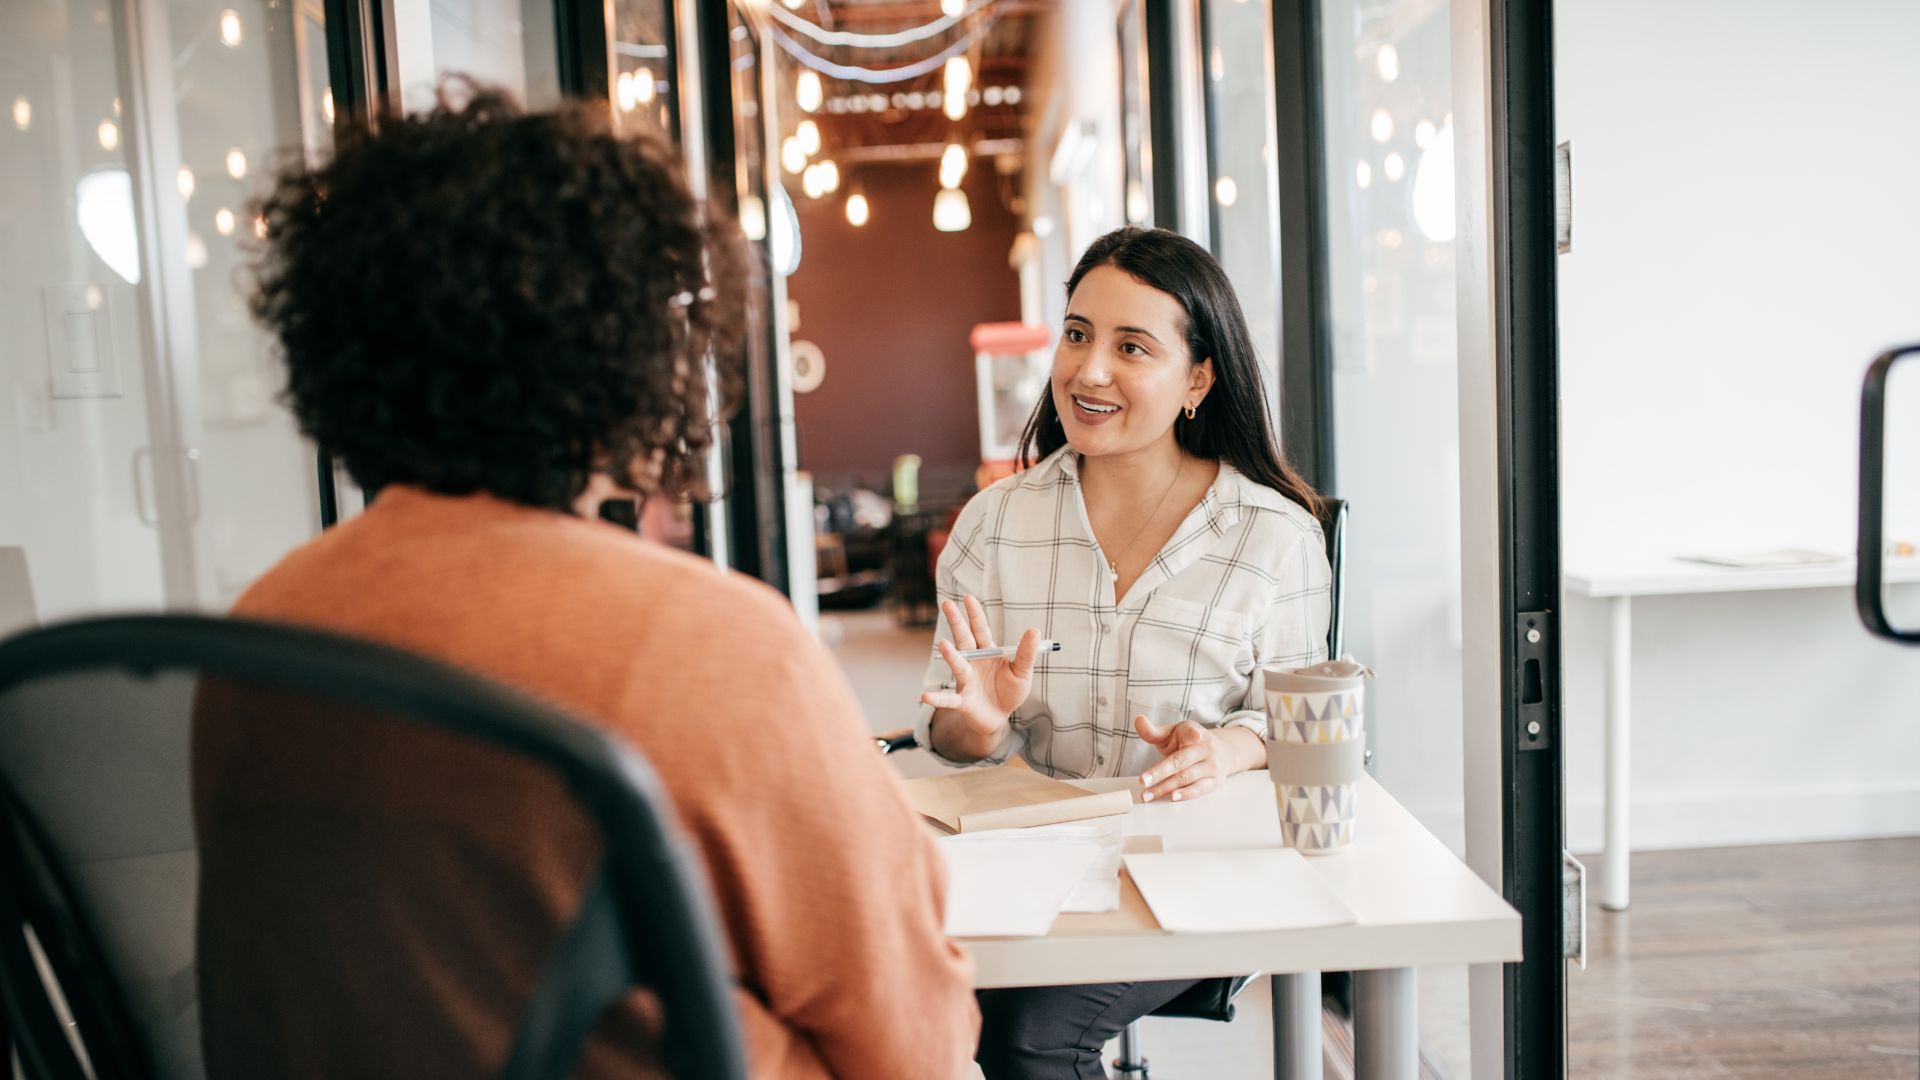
x=1056 y=1032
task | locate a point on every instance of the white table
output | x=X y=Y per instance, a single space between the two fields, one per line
x=1415 y=904
x=1617 y=586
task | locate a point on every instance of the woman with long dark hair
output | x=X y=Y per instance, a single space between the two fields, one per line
x=1159 y=535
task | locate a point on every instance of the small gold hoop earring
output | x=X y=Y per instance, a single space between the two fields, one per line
x=1189 y=412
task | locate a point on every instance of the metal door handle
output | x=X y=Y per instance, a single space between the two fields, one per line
x=1869 y=594
x=144 y=454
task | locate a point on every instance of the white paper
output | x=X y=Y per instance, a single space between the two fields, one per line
x=1213 y=892
x=1099 y=888
x=1241 y=813
x=1010 y=887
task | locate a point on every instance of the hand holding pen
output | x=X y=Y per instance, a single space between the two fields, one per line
x=988 y=686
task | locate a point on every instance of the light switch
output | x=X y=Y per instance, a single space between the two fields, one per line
x=79 y=323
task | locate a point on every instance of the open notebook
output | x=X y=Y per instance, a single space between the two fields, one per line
x=1007 y=797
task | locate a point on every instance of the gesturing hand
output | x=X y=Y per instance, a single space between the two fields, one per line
x=1196 y=760
x=984 y=692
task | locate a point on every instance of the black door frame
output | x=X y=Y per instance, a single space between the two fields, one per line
x=1526 y=351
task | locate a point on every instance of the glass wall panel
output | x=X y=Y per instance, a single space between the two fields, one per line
x=1243 y=186
x=1387 y=86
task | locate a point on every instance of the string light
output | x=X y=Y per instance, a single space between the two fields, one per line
x=1382 y=125
x=184 y=181
x=109 y=133
x=230 y=29
x=643 y=87
x=22 y=113
x=326 y=104
x=1226 y=191
x=809 y=135
x=857 y=210
x=236 y=164
x=223 y=221
x=829 y=176
x=1394 y=167
x=953 y=9
x=792 y=157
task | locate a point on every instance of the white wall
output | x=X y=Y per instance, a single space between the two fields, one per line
x=1746 y=225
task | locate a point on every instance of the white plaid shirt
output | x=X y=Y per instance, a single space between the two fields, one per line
x=1243 y=583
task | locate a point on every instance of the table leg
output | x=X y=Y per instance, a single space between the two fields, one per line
x=1386 y=1025
x=1614 y=877
x=1296 y=1026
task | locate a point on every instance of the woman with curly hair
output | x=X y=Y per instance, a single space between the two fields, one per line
x=496 y=320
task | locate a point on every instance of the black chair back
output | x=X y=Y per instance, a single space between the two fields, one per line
x=101 y=864
x=1333 y=522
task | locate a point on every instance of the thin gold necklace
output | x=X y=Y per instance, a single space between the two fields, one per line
x=1113 y=564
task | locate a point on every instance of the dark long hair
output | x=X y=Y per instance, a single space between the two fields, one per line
x=1231 y=424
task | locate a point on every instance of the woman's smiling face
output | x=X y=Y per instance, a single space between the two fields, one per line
x=1122 y=371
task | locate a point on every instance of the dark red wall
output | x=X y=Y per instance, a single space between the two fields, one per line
x=891 y=305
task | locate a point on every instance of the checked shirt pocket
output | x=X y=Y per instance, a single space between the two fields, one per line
x=1186 y=654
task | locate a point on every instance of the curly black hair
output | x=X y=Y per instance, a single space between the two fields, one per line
x=481 y=299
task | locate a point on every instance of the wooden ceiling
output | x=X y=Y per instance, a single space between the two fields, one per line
x=1001 y=52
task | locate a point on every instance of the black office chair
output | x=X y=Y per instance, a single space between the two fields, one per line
x=100 y=868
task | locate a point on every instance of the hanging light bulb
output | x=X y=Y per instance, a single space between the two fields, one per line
x=809 y=135
x=223 y=221
x=22 y=113
x=1394 y=166
x=109 y=133
x=1387 y=62
x=793 y=157
x=958 y=80
x=807 y=91
x=829 y=176
x=794 y=5
x=953 y=166
x=1225 y=191
x=1382 y=125
x=183 y=180
x=623 y=91
x=230 y=28
x=857 y=210
x=753 y=217
x=643 y=88
x=951 y=212
x=236 y=164
x=953 y=9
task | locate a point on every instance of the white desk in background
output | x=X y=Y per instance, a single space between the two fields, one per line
x=1617 y=586
x=1414 y=903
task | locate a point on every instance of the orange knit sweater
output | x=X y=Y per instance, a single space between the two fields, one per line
x=829 y=893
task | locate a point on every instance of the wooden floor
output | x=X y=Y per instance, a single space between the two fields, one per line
x=1797 y=960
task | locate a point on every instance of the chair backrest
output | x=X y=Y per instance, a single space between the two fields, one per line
x=120 y=858
x=1333 y=522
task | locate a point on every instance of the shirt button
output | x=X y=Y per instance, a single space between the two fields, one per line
x=1102 y=699
x=1100 y=759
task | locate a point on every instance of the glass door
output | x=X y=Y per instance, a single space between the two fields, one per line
x=146 y=463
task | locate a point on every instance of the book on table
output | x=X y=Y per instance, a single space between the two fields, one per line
x=1008 y=797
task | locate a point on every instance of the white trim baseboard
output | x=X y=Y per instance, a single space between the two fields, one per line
x=1697 y=819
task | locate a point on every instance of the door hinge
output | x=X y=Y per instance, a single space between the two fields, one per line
x=1533 y=652
x=1573 y=908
